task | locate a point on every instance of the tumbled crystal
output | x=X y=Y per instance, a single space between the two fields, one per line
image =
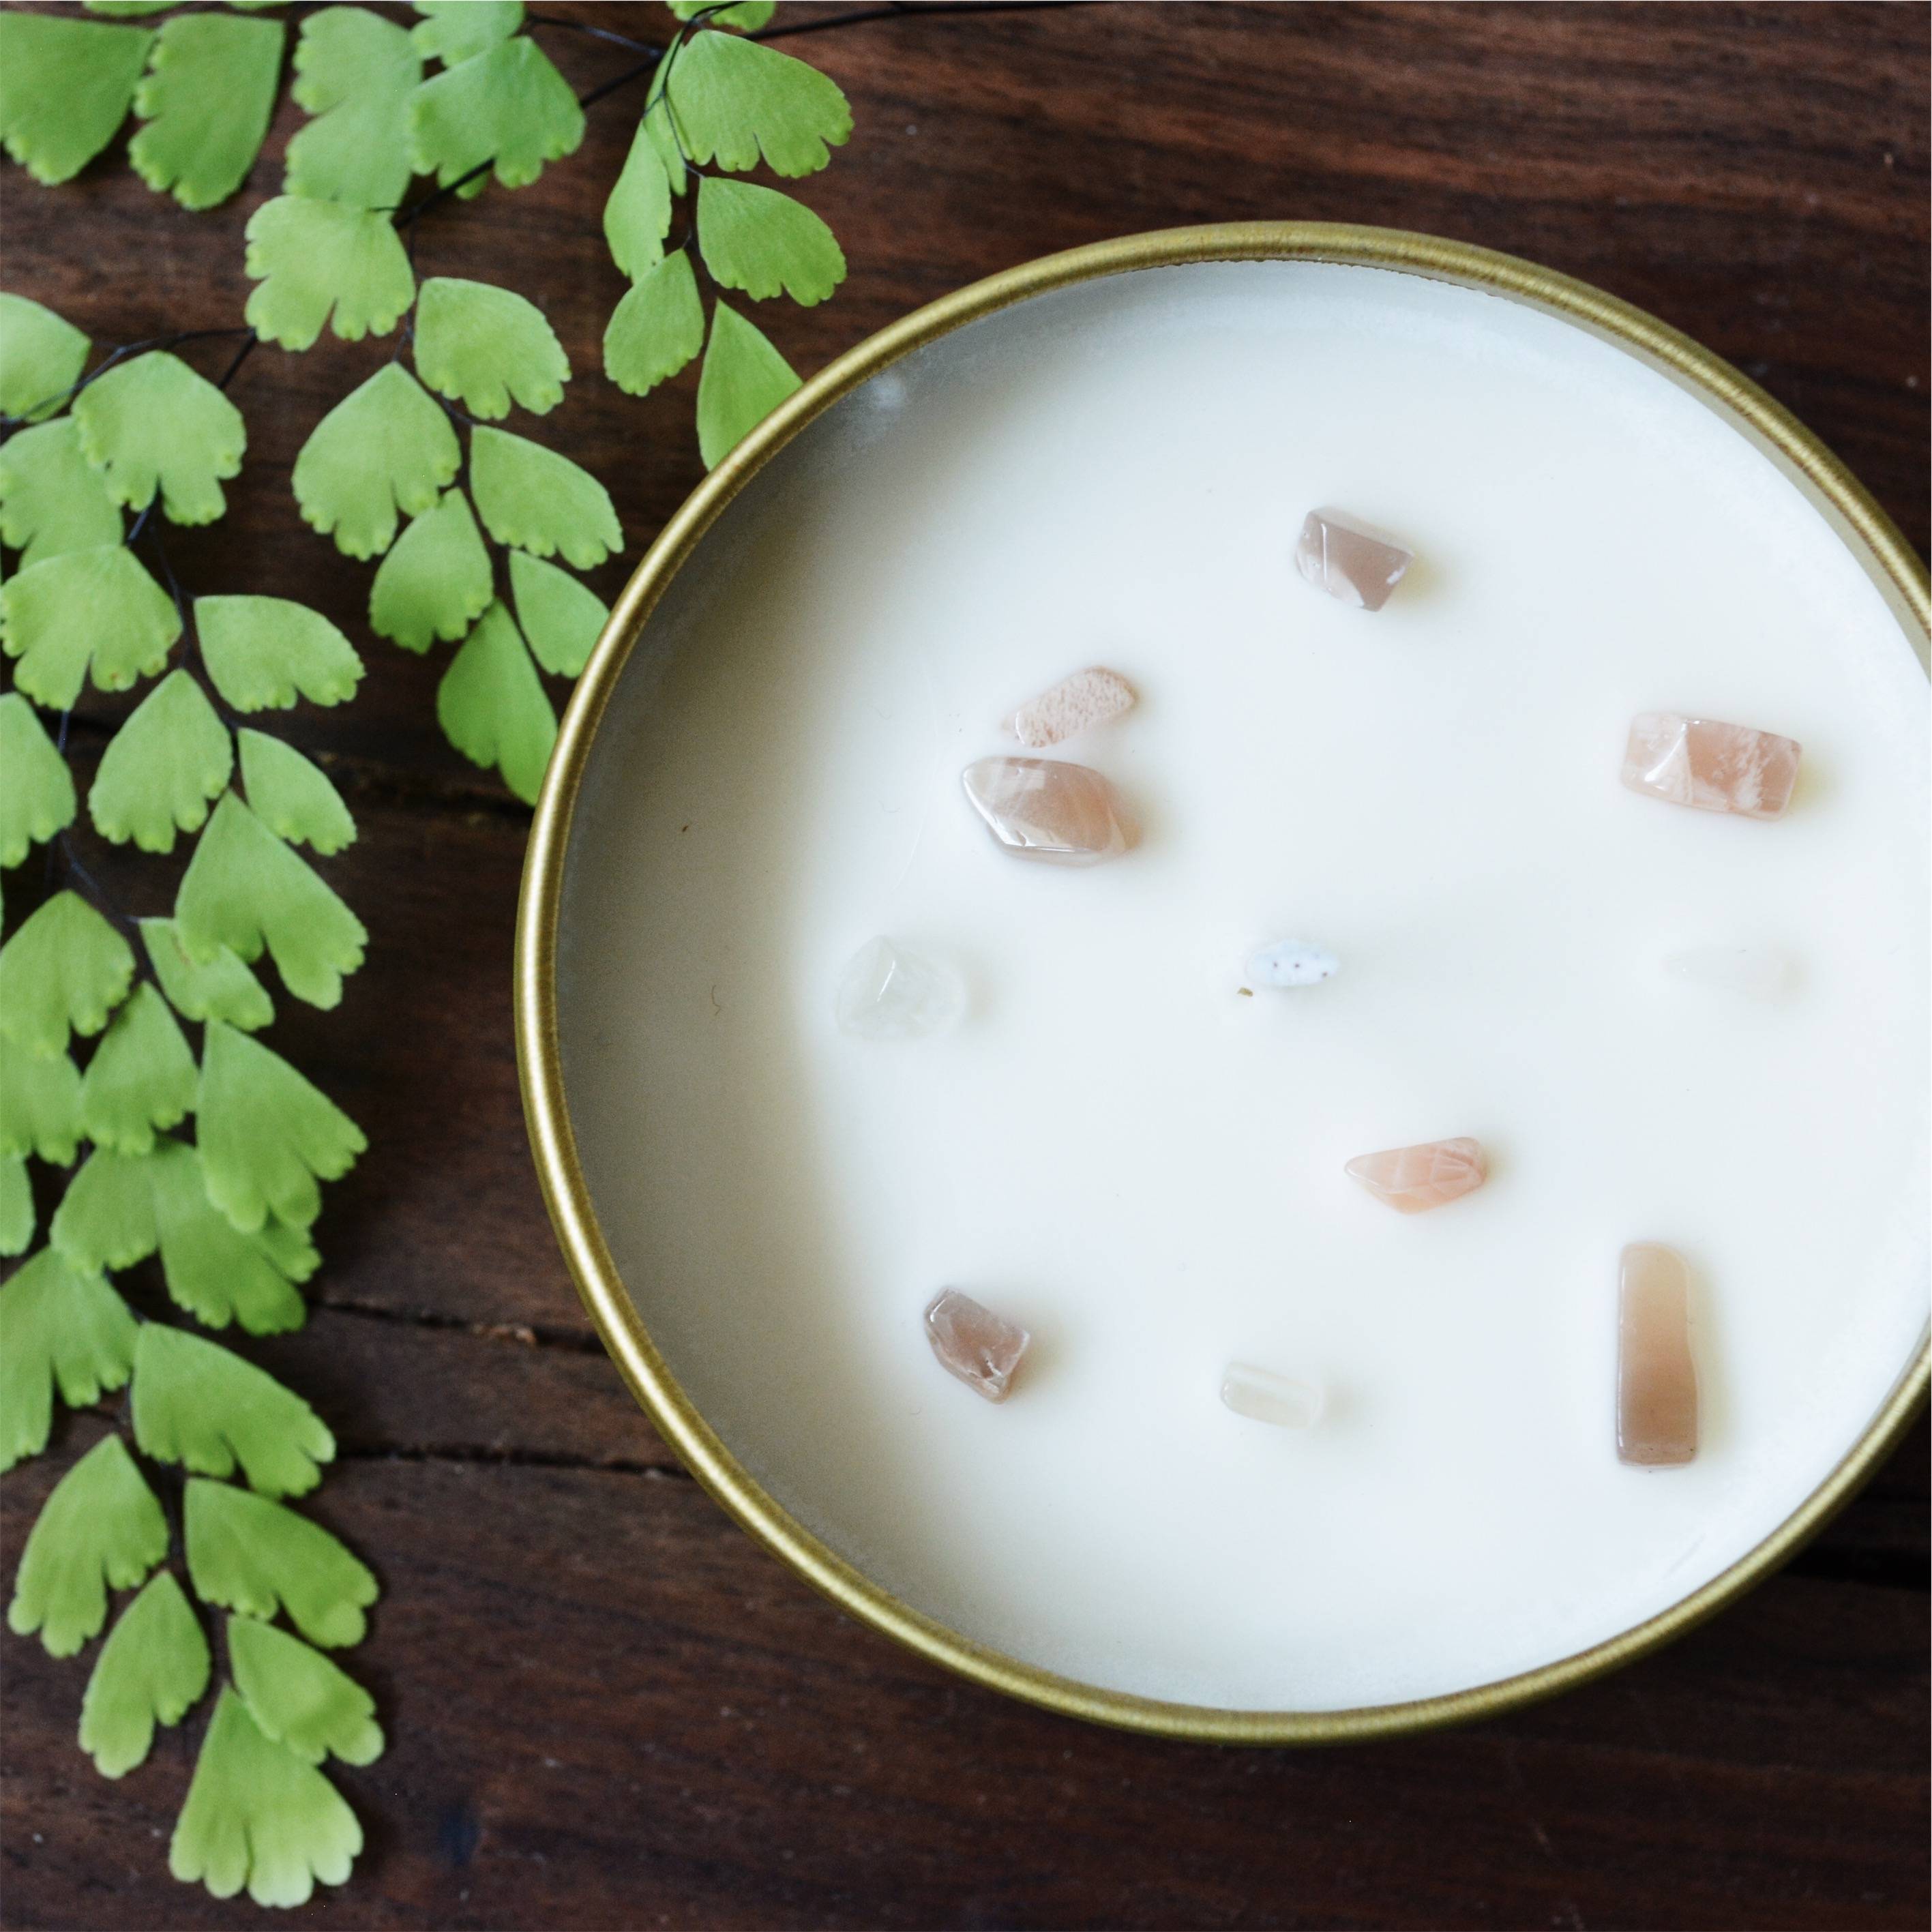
x=1292 y=962
x=1039 y=808
x=887 y=993
x=1657 y=1382
x=1715 y=767
x=1262 y=1395
x=1757 y=972
x=1089 y=696
x=1413 y=1179
x=1339 y=556
x=981 y=1348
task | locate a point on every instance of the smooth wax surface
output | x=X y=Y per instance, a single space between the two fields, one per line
x=1112 y=1147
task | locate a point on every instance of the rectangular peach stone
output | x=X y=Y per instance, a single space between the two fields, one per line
x=1712 y=767
x=1657 y=1381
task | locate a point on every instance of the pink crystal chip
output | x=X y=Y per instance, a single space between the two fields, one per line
x=1039 y=808
x=1414 y=1179
x=1657 y=1381
x=981 y=1348
x=1340 y=557
x=1090 y=696
x=1697 y=761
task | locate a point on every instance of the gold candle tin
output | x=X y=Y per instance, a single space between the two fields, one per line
x=1864 y=527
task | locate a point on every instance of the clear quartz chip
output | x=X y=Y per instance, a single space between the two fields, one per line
x=1089 y=696
x=1714 y=767
x=981 y=1348
x=1414 y=1179
x=887 y=993
x=1292 y=962
x=1338 y=555
x=1262 y=1395
x=1040 y=809
x=1657 y=1381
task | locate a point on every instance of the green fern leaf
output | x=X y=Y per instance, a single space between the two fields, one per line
x=244 y=889
x=65 y=969
x=214 y=1270
x=656 y=329
x=756 y=239
x=61 y=1327
x=531 y=497
x=734 y=99
x=248 y=1554
x=292 y=796
x=487 y=346
x=385 y=446
x=171 y=756
x=153 y=423
x=96 y=608
x=52 y=499
x=356 y=72
x=65 y=85
x=493 y=707
x=153 y=1667
x=219 y=989
x=205 y=99
x=101 y=1527
x=313 y=256
x=257 y=1815
x=128 y=9
x=105 y=1218
x=41 y=355
x=636 y=217
x=745 y=379
x=40 y=1104
x=262 y=653
x=141 y=1076
x=508 y=105
x=200 y=1405
x=458 y=30
x=300 y=1697
x=267 y=1134
x=435 y=580
x=36 y=793
x=747 y=16
x=17 y=1219
x=560 y=617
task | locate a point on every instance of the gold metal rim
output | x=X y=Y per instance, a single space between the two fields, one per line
x=1894 y=564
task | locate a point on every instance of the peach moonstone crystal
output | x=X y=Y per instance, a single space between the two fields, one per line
x=1657 y=1382
x=1342 y=558
x=1413 y=1179
x=981 y=1348
x=1039 y=808
x=1697 y=761
x=1090 y=696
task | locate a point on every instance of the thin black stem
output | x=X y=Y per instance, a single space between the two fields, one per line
x=583 y=27
x=623 y=80
x=905 y=9
x=9 y=424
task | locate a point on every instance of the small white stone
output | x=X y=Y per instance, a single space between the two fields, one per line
x=1757 y=972
x=887 y=993
x=1262 y=1395
x=1292 y=962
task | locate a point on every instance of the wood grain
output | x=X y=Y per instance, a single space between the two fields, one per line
x=607 y=1708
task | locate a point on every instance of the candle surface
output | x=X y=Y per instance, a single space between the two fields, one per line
x=1118 y=1152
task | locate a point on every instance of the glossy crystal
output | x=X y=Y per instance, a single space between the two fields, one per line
x=1657 y=1381
x=1292 y=962
x=981 y=1348
x=888 y=993
x=1336 y=555
x=1414 y=1179
x=1262 y=1395
x=1709 y=766
x=1089 y=696
x=1040 y=809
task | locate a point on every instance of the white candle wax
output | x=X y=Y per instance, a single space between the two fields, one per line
x=1115 y=1148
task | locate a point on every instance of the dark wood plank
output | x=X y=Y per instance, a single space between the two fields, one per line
x=607 y=1707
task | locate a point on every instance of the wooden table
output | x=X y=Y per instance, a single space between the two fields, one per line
x=607 y=1707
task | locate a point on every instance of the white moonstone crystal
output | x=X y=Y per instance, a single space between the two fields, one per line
x=887 y=993
x=1262 y=1395
x=1758 y=972
x=1089 y=696
x=1292 y=962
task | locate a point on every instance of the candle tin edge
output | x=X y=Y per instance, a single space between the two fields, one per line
x=1831 y=488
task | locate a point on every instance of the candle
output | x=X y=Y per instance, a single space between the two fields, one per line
x=1125 y=1136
